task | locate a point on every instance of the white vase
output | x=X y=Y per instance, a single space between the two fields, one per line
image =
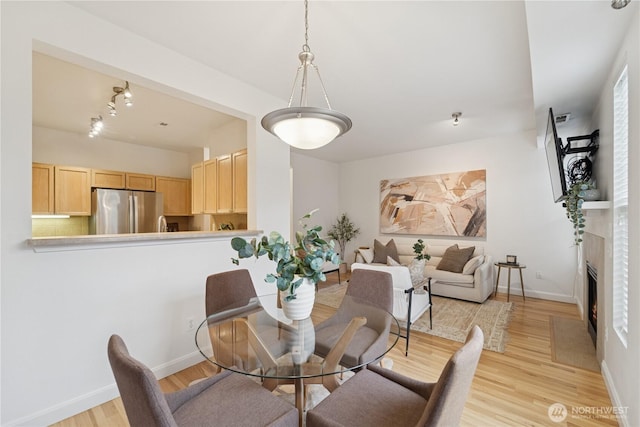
x=416 y=270
x=300 y=307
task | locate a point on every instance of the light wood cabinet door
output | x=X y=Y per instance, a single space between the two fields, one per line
x=240 y=181
x=139 y=181
x=225 y=184
x=107 y=179
x=72 y=190
x=176 y=195
x=42 y=189
x=210 y=186
x=197 y=188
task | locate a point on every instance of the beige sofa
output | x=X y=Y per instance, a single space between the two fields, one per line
x=475 y=283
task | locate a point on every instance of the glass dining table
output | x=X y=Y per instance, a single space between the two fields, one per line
x=254 y=338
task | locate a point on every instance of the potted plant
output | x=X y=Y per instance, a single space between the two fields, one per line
x=298 y=269
x=416 y=269
x=343 y=231
x=573 y=203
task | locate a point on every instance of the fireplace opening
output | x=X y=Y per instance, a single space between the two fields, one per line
x=592 y=310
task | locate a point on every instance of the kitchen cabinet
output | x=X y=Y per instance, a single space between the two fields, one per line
x=42 y=189
x=141 y=182
x=210 y=189
x=176 y=195
x=72 y=190
x=107 y=179
x=197 y=188
x=240 y=181
x=225 y=183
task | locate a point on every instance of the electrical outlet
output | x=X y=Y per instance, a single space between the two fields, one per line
x=191 y=324
x=538 y=275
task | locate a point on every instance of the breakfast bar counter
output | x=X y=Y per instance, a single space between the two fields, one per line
x=74 y=243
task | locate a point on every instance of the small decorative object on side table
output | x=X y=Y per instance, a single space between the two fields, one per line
x=512 y=259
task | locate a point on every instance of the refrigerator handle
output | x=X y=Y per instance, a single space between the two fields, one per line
x=131 y=214
x=135 y=214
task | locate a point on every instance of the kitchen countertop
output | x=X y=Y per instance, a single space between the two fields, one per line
x=74 y=243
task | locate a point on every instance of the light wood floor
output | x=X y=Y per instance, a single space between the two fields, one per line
x=509 y=389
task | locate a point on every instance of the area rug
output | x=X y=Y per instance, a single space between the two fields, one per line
x=571 y=344
x=452 y=319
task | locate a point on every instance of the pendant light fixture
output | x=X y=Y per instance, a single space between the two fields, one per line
x=303 y=126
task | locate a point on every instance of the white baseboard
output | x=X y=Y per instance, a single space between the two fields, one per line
x=613 y=393
x=537 y=294
x=97 y=397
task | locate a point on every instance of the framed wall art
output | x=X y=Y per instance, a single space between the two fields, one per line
x=450 y=204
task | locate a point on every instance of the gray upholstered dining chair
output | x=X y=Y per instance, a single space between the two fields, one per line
x=227 y=290
x=224 y=399
x=375 y=288
x=380 y=397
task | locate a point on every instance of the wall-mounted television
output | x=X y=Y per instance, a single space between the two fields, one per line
x=553 y=147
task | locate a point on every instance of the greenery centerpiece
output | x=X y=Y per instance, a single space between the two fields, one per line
x=419 y=250
x=343 y=231
x=294 y=265
x=573 y=203
x=416 y=269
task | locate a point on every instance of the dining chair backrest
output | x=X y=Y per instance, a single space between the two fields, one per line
x=229 y=289
x=449 y=395
x=375 y=287
x=144 y=402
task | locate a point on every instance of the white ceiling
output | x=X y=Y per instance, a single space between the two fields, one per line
x=397 y=69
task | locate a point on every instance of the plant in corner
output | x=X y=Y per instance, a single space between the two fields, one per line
x=573 y=203
x=343 y=231
x=304 y=261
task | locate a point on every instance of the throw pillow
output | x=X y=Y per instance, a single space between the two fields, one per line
x=381 y=252
x=392 y=262
x=455 y=258
x=472 y=264
x=367 y=254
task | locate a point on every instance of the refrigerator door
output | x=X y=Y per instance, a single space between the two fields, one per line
x=147 y=207
x=110 y=212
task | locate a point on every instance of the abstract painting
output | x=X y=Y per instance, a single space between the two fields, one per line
x=450 y=204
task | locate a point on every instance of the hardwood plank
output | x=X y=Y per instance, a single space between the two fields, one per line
x=512 y=388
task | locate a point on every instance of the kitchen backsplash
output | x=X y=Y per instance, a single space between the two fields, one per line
x=47 y=227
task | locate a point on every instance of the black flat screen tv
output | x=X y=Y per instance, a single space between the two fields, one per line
x=553 y=147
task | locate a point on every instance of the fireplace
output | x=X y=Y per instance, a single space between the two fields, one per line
x=592 y=301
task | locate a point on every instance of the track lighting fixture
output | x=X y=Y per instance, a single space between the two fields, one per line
x=619 y=4
x=456 y=118
x=126 y=94
x=96 y=126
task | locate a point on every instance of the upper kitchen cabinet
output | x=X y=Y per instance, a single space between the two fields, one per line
x=141 y=182
x=225 y=184
x=210 y=186
x=176 y=195
x=107 y=179
x=197 y=188
x=72 y=190
x=42 y=189
x=240 y=181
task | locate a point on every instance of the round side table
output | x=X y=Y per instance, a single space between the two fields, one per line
x=508 y=266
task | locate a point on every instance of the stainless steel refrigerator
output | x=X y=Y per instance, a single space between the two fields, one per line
x=124 y=211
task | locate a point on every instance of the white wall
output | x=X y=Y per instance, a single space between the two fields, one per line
x=621 y=363
x=228 y=138
x=58 y=309
x=521 y=216
x=315 y=186
x=70 y=149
